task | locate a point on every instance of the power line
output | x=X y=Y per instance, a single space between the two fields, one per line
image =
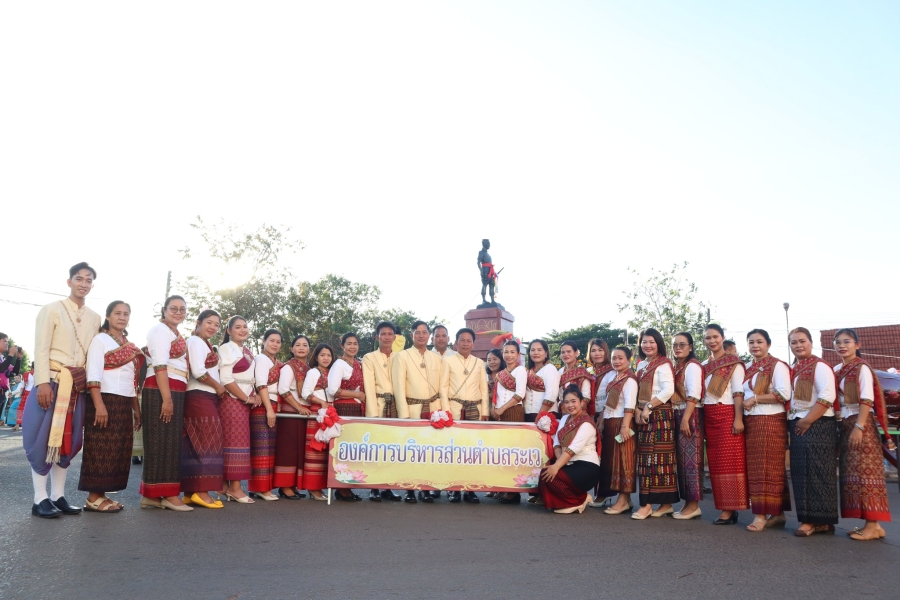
x=16 y=302
x=22 y=287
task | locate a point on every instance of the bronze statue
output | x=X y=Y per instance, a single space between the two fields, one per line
x=488 y=275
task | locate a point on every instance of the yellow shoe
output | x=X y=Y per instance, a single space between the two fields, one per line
x=187 y=499
x=195 y=499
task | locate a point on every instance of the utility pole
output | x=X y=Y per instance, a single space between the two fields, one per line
x=708 y=316
x=168 y=284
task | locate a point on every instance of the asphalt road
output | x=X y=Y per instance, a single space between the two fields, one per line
x=307 y=549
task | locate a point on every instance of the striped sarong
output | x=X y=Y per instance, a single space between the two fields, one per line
x=348 y=407
x=106 y=458
x=514 y=414
x=814 y=472
x=727 y=458
x=235 y=416
x=690 y=456
x=617 y=462
x=657 y=461
x=201 y=447
x=863 y=491
x=314 y=477
x=766 y=439
x=161 y=475
x=290 y=450
x=262 y=452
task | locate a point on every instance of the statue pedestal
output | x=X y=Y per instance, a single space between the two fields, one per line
x=484 y=320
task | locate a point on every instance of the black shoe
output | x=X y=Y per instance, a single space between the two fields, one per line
x=516 y=499
x=729 y=521
x=375 y=495
x=390 y=495
x=296 y=496
x=351 y=498
x=455 y=497
x=299 y=494
x=471 y=497
x=410 y=497
x=426 y=497
x=436 y=494
x=66 y=508
x=45 y=510
x=136 y=460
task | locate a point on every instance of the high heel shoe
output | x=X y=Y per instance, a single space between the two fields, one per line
x=296 y=496
x=322 y=498
x=241 y=500
x=268 y=498
x=196 y=499
x=579 y=509
x=729 y=521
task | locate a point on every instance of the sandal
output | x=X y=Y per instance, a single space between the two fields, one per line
x=101 y=502
x=757 y=525
x=779 y=521
x=860 y=536
x=814 y=530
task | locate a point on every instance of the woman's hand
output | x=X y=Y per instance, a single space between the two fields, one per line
x=495 y=414
x=549 y=473
x=137 y=420
x=686 y=427
x=738 y=427
x=856 y=438
x=101 y=416
x=802 y=426
x=270 y=418
x=625 y=432
x=167 y=410
x=305 y=411
x=749 y=403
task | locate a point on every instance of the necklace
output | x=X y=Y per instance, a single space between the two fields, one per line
x=75 y=330
x=423 y=362
x=465 y=364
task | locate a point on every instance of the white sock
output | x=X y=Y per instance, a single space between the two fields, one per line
x=57 y=482
x=40 y=486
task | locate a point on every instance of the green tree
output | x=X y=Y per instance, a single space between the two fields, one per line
x=581 y=336
x=667 y=301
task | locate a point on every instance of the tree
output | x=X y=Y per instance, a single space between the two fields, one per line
x=273 y=297
x=666 y=301
x=582 y=335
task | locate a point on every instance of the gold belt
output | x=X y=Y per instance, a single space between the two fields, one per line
x=174 y=371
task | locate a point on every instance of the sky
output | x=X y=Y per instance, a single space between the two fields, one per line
x=758 y=141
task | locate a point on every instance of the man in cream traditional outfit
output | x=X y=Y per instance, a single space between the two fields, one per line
x=416 y=377
x=52 y=427
x=376 y=368
x=440 y=341
x=464 y=389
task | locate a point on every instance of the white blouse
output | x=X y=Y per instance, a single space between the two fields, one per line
x=159 y=344
x=262 y=364
x=866 y=391
x=823 y=389
x=534 y=400
x=628 y=400
x=197 y=352
x=503 y=395
x=584 y=444
x=693 y=383
x=781 y=383
x=309 y=387
x=339 y=371
x=663 y=381
x=600 y=397
x=585 y=385
x=115 y=381
x=287 y=383
x=735 y=386
x=229 y=355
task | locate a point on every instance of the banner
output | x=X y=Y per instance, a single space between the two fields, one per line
x=411 y=454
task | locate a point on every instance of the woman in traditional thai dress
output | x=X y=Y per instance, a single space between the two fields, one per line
x=236 y=369
x=315 y=392
x=814 y=439
x=618 y=460
x=202 y=462
x=601 y=373
x=571 y=373
x=509 y=393
x=267 y=370
x=345 y=380
x=28 y=381
x=542 y=392
x=767 y=386
x=162 y=410
x=290 y=443
x=112 y=366
x=688 y=425
x=657 y=462
x=564 y=484
x=493 y=364
x=723 y=420
x=863 y=491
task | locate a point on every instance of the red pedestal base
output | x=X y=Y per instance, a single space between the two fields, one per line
x=484 y=320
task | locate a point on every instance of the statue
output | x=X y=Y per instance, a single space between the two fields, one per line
x=488 y=276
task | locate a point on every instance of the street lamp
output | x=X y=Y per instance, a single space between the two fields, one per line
x=786 y=306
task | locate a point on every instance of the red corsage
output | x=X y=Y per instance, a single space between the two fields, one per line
x=547 y=422
x=441 y=419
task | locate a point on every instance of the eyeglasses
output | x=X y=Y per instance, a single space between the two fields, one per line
x=681 y=345
x=177 y=310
